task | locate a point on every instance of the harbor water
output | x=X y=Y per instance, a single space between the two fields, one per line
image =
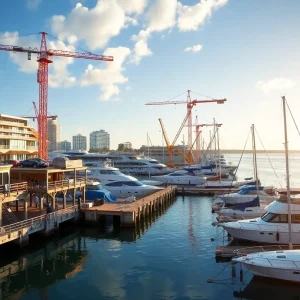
x=170 y=256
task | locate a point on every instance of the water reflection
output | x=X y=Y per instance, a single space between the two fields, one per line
x=39 y=267
x=268 y=289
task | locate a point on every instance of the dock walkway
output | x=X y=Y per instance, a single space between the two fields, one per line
x=131 y=213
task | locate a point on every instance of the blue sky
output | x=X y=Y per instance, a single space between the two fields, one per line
x=248 y=53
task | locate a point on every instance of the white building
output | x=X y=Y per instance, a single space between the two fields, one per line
x=53 y=135
x=99 y=139
x=79 y=142
x=18 y=140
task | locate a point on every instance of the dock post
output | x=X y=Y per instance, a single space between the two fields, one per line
x=25 y=209
x=0 y=213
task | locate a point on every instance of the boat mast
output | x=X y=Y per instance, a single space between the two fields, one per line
x=215 y=141
x=288 y=192
x=254 y=157
x=219 y=160
x=148 y=153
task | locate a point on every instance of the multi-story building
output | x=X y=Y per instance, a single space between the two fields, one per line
x=99 y=139
x=79 y=142
x=126 y=145
x=53 y=135
x=18 y=140
x=65 y=145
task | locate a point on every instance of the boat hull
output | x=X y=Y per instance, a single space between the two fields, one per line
x=275 y=273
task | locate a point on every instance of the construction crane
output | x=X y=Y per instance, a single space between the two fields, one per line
x=44 y=59
x=190 y=158
x=171 y=147
x=190 y=104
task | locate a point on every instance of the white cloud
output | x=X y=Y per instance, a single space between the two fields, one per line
x=33 y=4
x=141 y=48
x=190 y=18
x=110 y=76
x=162 y=15
x=275 y=84
x=96 y=26
x=20 y=59
x=133 y=6
x=195 y=48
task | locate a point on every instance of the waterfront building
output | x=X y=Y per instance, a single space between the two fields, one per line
x=99 y=139
x=79 y=142
x=126 y=145
x=18 y=140
x=65 y=145
x=53 y=135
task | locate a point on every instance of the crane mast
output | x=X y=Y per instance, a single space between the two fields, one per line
x=42 y=79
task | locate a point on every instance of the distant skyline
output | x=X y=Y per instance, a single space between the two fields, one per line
x=246 y=51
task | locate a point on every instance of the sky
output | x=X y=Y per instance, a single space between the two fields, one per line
x=245 y=51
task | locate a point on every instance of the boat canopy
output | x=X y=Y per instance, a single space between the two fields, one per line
x=243 y=205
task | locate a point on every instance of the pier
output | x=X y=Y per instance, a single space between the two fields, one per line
x=131 y=213
x=203 y=191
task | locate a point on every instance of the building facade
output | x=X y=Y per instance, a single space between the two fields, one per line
x=79 y=142
x=65 y=145
x=53 y=135
x=18 y=140
x=99 y=139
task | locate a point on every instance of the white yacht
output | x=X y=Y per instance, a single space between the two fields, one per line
x=179 y=177
x=283 y=265
x=119 y=184
x=270 y=228
x=126 y=162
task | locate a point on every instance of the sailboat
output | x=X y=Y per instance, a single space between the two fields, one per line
x=283 y=265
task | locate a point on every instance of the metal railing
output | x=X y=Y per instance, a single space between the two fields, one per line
x=36 y=220
x=13 y=188
x=57 y=185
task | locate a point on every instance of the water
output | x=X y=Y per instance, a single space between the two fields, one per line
x=168 y=257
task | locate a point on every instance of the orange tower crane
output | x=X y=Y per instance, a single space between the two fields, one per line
x=44 y=59
x=190 y=104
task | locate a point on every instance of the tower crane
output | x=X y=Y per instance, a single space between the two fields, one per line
x=171 y=147
x=190 y=104
x=190 y=158
x=44 y=59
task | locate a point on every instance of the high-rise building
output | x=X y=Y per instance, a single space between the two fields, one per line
x=53 y=135
x=99 y=139
x=79 y=142
x=65 y=145
x=18 y=140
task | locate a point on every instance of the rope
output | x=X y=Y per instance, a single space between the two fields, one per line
x=268 y=158
x=292 y=117
x=203 y=95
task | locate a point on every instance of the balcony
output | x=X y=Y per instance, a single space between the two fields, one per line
x=56 y=186
x=18 y=124
x=19 y=137
x=10 y=190
x=31 y=148
x=23 y=131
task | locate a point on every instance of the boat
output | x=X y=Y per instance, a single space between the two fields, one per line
x=130 y=163
x=119 y=184
x=181 y=177
x=282 y=265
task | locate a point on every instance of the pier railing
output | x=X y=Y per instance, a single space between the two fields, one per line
x=57 y=185
x=35 y=222
x=17 y=188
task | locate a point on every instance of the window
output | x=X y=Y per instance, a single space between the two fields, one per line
x=115 y=183
x=132 y=183
x=295 y=218
x=94 y=187
x=275 y=218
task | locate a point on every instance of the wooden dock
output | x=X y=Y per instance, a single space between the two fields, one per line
x=231 y=251
x=131 y=213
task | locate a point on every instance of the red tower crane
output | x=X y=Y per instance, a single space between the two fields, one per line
x=44 y=59
x=190 y=104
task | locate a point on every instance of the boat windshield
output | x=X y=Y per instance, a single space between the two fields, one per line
x=110 y=172
x=93 y=187
x=275 y=218
x=132 y=183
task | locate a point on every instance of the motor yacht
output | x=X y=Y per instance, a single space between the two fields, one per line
x=119 y=184
x=181 y=177
x=127 y=162
x=280 y=264
x=272 y=227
